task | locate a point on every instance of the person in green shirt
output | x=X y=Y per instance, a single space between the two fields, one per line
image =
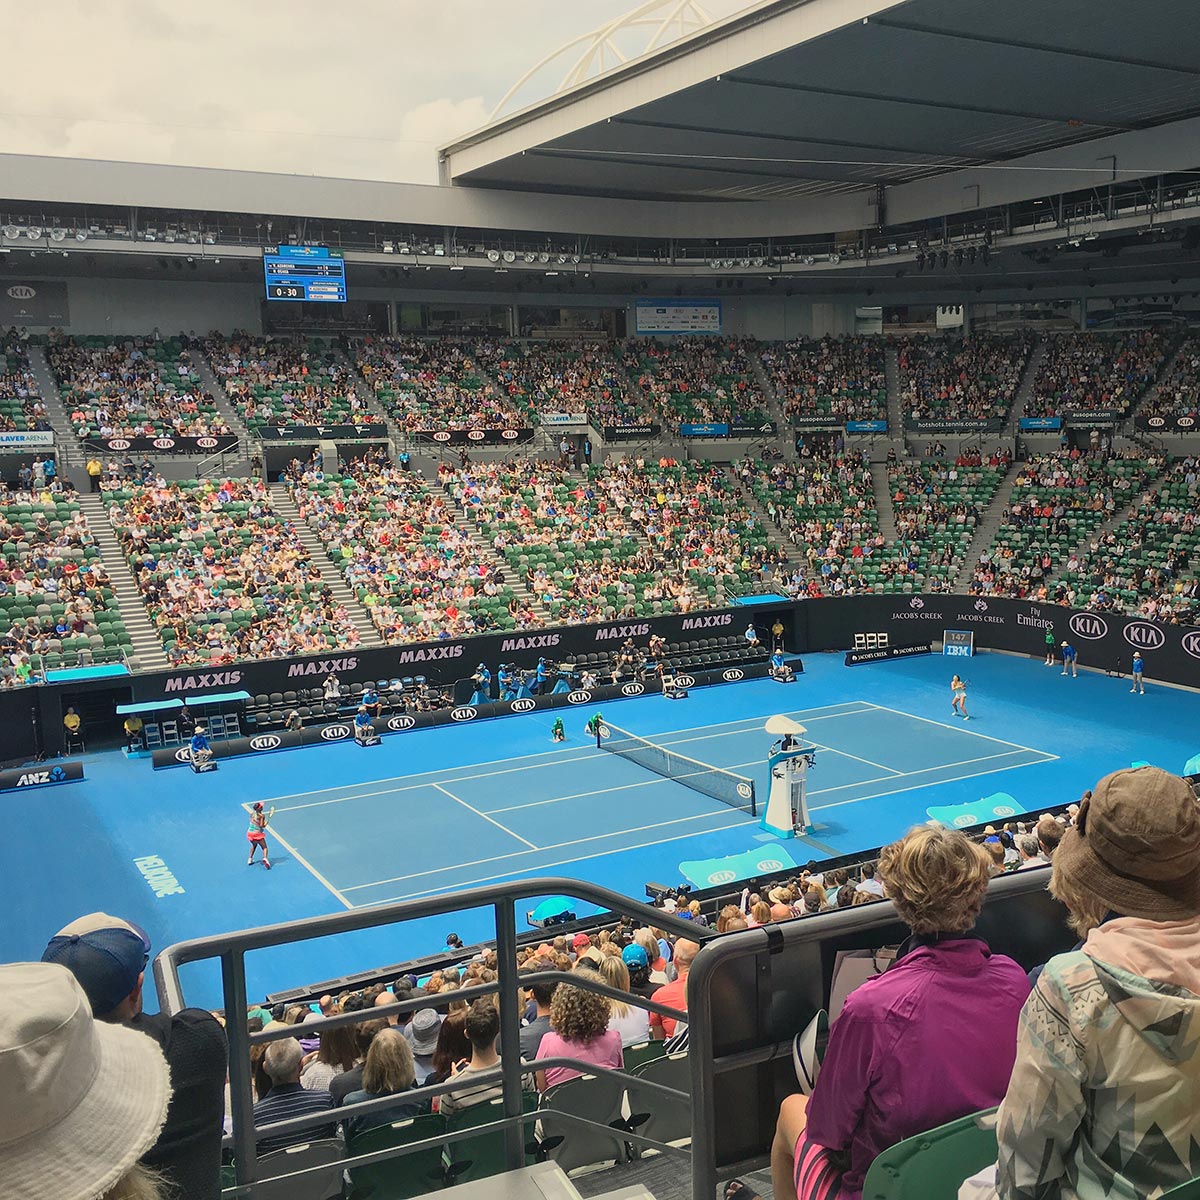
x=557 y=732
x=1050 y=644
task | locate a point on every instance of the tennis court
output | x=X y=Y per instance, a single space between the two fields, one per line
x=548 y=812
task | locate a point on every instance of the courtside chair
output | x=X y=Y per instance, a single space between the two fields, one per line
x=932 y=1166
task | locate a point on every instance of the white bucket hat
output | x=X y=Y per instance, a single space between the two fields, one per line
x=81 y=1100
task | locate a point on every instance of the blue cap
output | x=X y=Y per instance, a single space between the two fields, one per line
x=105 y=954
x=634 y=956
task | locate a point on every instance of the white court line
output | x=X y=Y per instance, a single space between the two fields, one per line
x=560 y=759
x=944 y=725
x=503 y=828
x=562 y=862
x=305 y=863
x=358 y=887
x=937 y=783
x=966 y=762
x=556 y=756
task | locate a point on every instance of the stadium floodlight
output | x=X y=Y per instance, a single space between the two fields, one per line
x=58 y=235
x=544 y=257
x=81 y=235
x=193 y=237
x=150 y=235
x=745 y=262
x=759 y=262
x=210 y=239
x=834 y=258
x=493 y=255
x=562 y=260
x=809 y=261
x=576 y=259
x=530 y=257
x=439 y=252
x=34 y=233
x=389 y=247
x=11 y=231
x=893 y=248
x=509 y=256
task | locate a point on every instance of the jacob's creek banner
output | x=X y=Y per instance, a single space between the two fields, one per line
x=1103 y=640
x=443 y=662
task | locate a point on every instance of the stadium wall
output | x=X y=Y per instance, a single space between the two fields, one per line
x=100 y=305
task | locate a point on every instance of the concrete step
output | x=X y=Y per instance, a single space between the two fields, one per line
x=989 y=524
x=1128 y=427
x=1012 y=425
x=147 y=645
x=895 y=409
x=285 y=506
x=67 y=446
x=216 y=388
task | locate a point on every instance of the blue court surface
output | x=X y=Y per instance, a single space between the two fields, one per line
x=455 y=807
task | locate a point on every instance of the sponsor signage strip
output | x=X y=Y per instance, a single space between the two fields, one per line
x=20 y=438
x=560 y=420
x=1032 y=424
x=214 y=444
x=342 y=731
x=866 y=427
x=991 y=425
x=40 y=775
x=854 y=657
x=1174 y=423
x=473 y=437
x=630 y=433
x=317 y=433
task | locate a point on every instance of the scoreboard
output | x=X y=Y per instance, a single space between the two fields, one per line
x=958 y=643
x=313 y=273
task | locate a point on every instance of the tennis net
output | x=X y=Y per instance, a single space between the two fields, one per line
x=735 y=790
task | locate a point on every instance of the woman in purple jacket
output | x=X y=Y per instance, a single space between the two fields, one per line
x=931 y=1039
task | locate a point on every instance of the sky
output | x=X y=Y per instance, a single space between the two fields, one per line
x=365 y=89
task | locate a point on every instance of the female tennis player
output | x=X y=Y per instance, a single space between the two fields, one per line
x=257 y=833
x=958 y=692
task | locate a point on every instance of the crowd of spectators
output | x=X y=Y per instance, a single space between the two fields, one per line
x=1058 y=500
x=132 y=387
x=419 y=575
x=1096 y=372
x=975 y=379
x=436 y=384
x=1144 y=565
x=708 y=380
x=839 y=378
x=56 y=599
x=568 y=377
x=223 y=576
x=1178 y=392
x=21 y=404
x=276 y=382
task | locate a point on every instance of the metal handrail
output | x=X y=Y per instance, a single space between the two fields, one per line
x=203 y=466
x=231 y=948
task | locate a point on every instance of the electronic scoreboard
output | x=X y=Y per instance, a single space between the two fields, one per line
x=313 y=273
x=958 y=643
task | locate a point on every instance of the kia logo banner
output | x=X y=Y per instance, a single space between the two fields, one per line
x=733 y=674
x=172 y=445
x=634 y=689
x=579 y=697
x=265 y=741
x=525 y=704
x=473 y=437
x=1090 y=626
x=332 y=733
x=1191 y=643
x=685 y=681
x=1141 y=635
x=465 y=713
x=397 y=724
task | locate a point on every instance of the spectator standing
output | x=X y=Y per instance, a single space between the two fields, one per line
x=84 y=1099
x=108 y=957
x=895 y=1064
x=1106 y=1085
x=94 y=470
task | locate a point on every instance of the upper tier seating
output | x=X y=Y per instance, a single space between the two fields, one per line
x=20 y=402
x=132 y=387
x=56 y=600
x=707 y=380
x=438 y=384
x=418 y=574
x=1178 y=393
x=223 y=576
x=840 y=378
x=951 y=379
x=1096 y=371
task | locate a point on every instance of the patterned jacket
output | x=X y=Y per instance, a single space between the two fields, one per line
x=1104 y=1101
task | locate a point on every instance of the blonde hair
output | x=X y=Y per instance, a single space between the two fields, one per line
x=1085 y=910
x=937 y=879
x=138 y=1183
x=614 y=972
x=389 y=1067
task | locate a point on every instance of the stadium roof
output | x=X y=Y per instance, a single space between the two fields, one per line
x=810 y=98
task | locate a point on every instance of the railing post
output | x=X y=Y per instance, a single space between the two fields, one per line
x=510 y=1029
x=233 y=972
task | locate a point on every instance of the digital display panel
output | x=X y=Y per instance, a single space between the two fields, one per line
x=305 y=273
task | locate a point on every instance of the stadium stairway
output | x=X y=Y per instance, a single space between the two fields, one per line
x=513 y=578
x=785 y=442
x=70 y=452
x=884 y=508
x=895 y=411
x=1127 y=426
x=148 y=652
x=225 y=406
x=988 y=527
x=342 y=593
x=1025 y=391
